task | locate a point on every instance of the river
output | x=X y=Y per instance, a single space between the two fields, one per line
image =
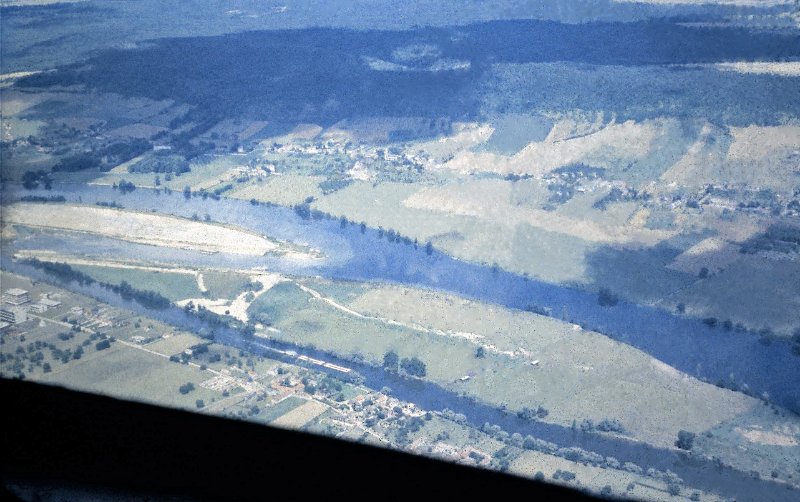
x=352 y=255
x=710 y=354
x=697 y=472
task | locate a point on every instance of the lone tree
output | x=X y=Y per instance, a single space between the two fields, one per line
x=413 y=367
x=685 y=440
x=391 y=360
x=530 y=414
x=126 y=186
x=480 y=352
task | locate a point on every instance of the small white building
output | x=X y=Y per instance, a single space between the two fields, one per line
x=49 y=303
x=39 y=308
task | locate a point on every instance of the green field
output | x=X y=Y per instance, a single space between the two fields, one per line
x=203 y=175
x=757 y=292
x=340 y=291
x=300 y=416
x=285 y=190
x=130 y=373
x=575 y=366
x=521 y=248
x=175 y=286
x=175 y=344
x=283 y=407
x=457 y=435
x=224 y=284
x=528 y=463
x=24 y=159
x=771 y=437
x=279 y=303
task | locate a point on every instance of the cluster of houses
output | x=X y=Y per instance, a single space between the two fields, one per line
x=357 y=152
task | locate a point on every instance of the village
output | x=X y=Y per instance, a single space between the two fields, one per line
x=65 y=338
x=226 y=382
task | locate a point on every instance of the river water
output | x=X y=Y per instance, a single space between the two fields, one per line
x=350 y=254
x=710 y=354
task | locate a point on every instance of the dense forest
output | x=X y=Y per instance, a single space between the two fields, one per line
x=324 y=75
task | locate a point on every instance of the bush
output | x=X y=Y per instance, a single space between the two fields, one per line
x=77 y=162
x=613 y=425
x=102 y=345
x=39 y=198
x=31 y=180
x=186 y=388
x=303 y=211
x=60 y=270
x=565 y=475
x=150 y=299
x=161 y=163
x=606 y=298
x=413 y=367
x=530 y=414
x=391 y=360
x=126 y=186
x=685 y=440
